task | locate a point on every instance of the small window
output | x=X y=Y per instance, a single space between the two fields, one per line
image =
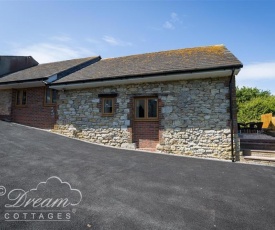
x=21 y=97
x=50 y=96
x=107 y=106
x=146 y=108
x=140 y=108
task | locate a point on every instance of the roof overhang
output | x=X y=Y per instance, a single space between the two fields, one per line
x=28 y=83
x=21 y=85
x=146 y=79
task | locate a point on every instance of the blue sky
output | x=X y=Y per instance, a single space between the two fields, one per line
x=61 y=30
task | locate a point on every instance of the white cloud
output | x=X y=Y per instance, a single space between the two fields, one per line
x=92 y=40
x=48 y=52
x=170 y=24
x=61 y=38
x=110 y=40
x=257 y=71
x=174 y=17
x=260 y=75
x=115 y=42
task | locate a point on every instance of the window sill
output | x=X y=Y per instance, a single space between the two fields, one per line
x=20 y=106
x=146 y=119
x=49 y=105
x=107 y=115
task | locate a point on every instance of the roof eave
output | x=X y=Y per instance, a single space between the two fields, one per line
x=22 y=84
x=47 y=79
x=239 y=66
x=145 y=79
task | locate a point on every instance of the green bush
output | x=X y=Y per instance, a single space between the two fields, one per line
x=252 y=103
x=252 y=110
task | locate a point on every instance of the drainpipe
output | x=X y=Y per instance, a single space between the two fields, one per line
x=231 y=117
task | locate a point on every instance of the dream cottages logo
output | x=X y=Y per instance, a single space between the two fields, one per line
x=52 y=200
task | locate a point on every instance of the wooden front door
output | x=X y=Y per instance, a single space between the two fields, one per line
x=146 y=123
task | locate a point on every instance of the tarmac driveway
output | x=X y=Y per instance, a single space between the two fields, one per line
x=120 y=189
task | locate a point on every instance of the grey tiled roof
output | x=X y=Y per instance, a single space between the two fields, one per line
x=43 y=71
x=172 y=61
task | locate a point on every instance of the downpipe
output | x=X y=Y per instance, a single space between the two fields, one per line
x=233 y=157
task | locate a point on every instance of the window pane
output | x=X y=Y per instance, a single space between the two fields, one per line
x=152 y=107
x=140 y=107
x=48 y=96
x=54 y=95
x=108 y=105
x=24 y=97
x=18 y=97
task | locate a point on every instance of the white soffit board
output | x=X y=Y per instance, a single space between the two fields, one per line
x=22 y=85
x=159 y=78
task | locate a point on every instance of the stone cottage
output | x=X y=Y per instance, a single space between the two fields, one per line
x=178 y=101
x=24 y=92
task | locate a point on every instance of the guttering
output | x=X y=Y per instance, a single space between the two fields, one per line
x=28 y=83
x=233 y=157
x=22 y=84
x=142 y=79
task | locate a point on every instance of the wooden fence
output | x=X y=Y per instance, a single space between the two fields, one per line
x=268 y=121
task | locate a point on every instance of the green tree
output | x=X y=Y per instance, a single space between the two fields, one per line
x=245 y=94
x=252 y=103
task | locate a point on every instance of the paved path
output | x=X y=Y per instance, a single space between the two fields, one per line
x=256 y=136
x=132 y=190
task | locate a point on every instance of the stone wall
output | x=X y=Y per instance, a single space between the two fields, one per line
x=5 y=104
x=194 y=116
x=79 y=115
x=196 y=119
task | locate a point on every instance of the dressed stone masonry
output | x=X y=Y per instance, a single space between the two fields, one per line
x=193 y=120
